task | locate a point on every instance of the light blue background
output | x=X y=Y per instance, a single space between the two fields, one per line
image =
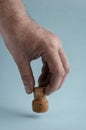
x=67 y=110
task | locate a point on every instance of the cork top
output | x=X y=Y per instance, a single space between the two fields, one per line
x=39 y=92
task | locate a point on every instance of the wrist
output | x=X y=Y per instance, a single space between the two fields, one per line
x=11 y=13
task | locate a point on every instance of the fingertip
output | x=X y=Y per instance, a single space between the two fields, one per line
x=47 y=93
x=51 y=89
x=28 y=89
x=48 y=90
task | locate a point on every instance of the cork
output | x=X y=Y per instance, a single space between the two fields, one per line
x=40 y=103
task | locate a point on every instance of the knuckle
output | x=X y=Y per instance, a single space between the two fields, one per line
x=52 y=44
x=53 y=41
x=57 y=39
x=61 y=73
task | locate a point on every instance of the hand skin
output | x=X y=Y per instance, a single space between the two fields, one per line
x=26 y=41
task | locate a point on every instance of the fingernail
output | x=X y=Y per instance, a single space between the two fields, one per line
x=47 y=91
x=28 y=90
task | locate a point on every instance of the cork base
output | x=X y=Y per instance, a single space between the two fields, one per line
x=40 y=103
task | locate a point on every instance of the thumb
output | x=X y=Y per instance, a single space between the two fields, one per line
x=26 y=75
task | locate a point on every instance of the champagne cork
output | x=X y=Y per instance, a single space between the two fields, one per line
x=40 y=103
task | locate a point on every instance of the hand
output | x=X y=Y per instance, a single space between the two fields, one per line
x=27 y=41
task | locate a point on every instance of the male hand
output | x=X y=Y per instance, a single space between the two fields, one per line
x=27 y=41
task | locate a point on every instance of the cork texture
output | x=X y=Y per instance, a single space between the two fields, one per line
x=40 y=103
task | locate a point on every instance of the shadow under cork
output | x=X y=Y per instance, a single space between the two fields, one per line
x=16 y=113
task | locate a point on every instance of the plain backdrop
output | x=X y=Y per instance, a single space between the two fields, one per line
x=67 y=107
